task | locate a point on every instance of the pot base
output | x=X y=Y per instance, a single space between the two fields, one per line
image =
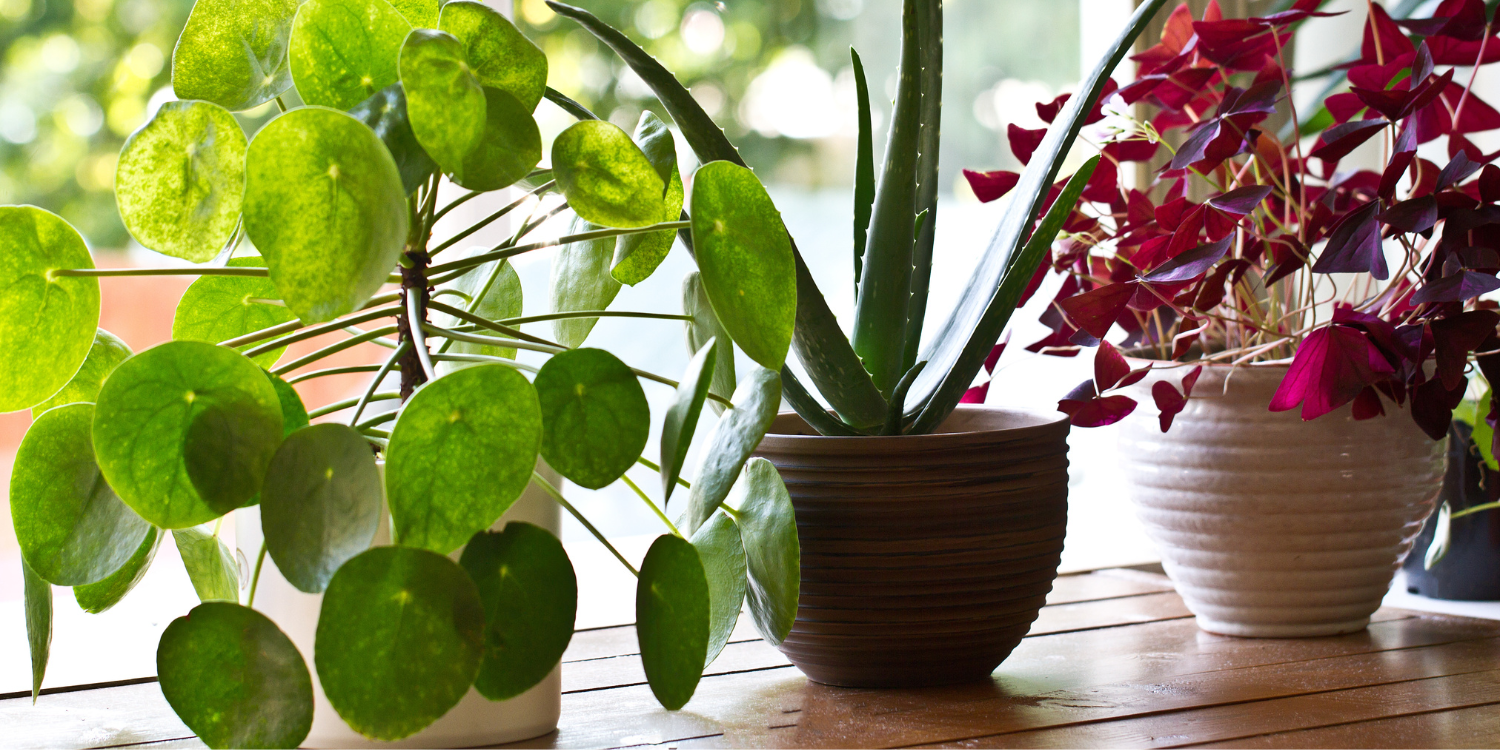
x=1292 y=630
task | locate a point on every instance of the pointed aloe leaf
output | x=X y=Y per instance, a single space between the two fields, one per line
x=581 y=282
x=960 y=345
x=460 y=454
x=864 y=170
x=234 y=52
x=735 y=436
x=343 y=51
x=507 y=150
x=820 y=342
x=52 y=319
x=638 y=255
x=773 y=554
x=595 y=419
x=38 y=625
x=400 y=638
x=234 y=678
x=325 y=206
x=672 y=613
x=723 y=557
x=211 y=567
x=498 y=53
x=530 y=596
x=98 y=597
x=320 y=505
x=220 y=308
x=681 y=421
x=385 y=113
x=940 y=403
x=746 y=262
x=930 y=42
x=72 y=528
x=885 y=285
x=107 y=352
x=181 y=180
x=606 y=177
x=705 y=327
x=444 y=101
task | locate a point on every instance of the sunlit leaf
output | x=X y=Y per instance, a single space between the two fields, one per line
x=320 y=504
x=38 y=625
x=605 y=176
x=509 y=148
x=233 y=52
x=444 y=101
x=595 y=419
x=385 y=113
x=343 y=51
x=672 y=614
x=638 y=255
x=723 y=557
x=498 y=53
x=220 y=308
x=106 y=353
x=500 y=297
x=293 y=411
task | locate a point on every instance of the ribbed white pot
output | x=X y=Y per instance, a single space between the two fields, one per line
x=476 y=720
x=1269 y=526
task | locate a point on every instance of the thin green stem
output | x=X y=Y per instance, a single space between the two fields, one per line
x=593 y=314
x=185 y=271
x=357 y=331
x=459 y=201
x=375 y=383
x=646 y=462
x=486 y=359
x=502 y=252
x=1474 y=509
x=547 y=486
x=334 y=349
x=491 y=325
x=474 y=338
x=418 y=336
x=260 y=560
x=319 y=330
x=376 y=433
x=654 y=509
x=381 y=418
x=492 y=218
x=350 y=370
x=293 y=325
x=350 y=403
x=281 y=105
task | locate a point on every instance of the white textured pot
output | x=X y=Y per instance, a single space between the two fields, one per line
x=476 y=720
x=1269 y=526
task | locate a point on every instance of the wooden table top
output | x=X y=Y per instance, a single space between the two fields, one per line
x=1115 y=660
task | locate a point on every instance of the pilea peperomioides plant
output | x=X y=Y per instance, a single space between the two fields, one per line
x=299 y=231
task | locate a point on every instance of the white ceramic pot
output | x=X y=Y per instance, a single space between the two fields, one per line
x=476 y=720
x=1269 y=526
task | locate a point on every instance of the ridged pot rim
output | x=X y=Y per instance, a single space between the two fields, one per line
x=1039 y=424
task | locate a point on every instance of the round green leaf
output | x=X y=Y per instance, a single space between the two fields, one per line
x=98 y=597
x=181 y=180
x=682 y=417
x=723 y=557
x=500 y=300
x=320 y=504
x=399 y=640
x=106 y=353
x=672 y=619
x=500 y=55
x=768 y=523
x=422 y=14
x=507 y=150
x=638 y=255
x=343 y=51
x=595 y=419
x=325 y=206
x=211 y=566
x=293 y=412
x=220 y=308
x=581 y=281
x=703 y=328
x=234 y=678
x=72 y=528
x=530 y=597
x=233 y=52
x=444 y=100
x=460 y=454
x=605 y=176
x=385 y=113
x=745 y=256
x=47 y=324
x=156 y=400
x=738 y=432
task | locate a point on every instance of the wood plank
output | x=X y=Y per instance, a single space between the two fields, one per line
x=1477 y=727
x=91 y=718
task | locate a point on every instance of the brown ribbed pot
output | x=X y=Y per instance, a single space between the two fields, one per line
x=925 y=558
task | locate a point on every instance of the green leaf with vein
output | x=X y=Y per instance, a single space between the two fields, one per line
x=530 y=596
x=38 y=595
x=498 y=53
x=220 y=308
x=72 y=528
x=234 y=678
x=723 y=556
x=509 y=148
x=672 y=614
x=606 y=177
x=638 y=255
x=738 y=432
x=502 y=300
x=107 y=352
x=211 y=566
x=462 y=451
x=745 y=258
x=325 y=206
x=400 y=638
x=52 y=320
x=385 y=113
x=343 y=51
x=154 y=402
x=98 y=597
x=181 y=180
x=422 y=14
x=234 y=52
x=320 y=504
x=705 y=327
x=444 y=101
x=595 y=419
x=773 y=553
x=681 y=420
x=581 y=281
